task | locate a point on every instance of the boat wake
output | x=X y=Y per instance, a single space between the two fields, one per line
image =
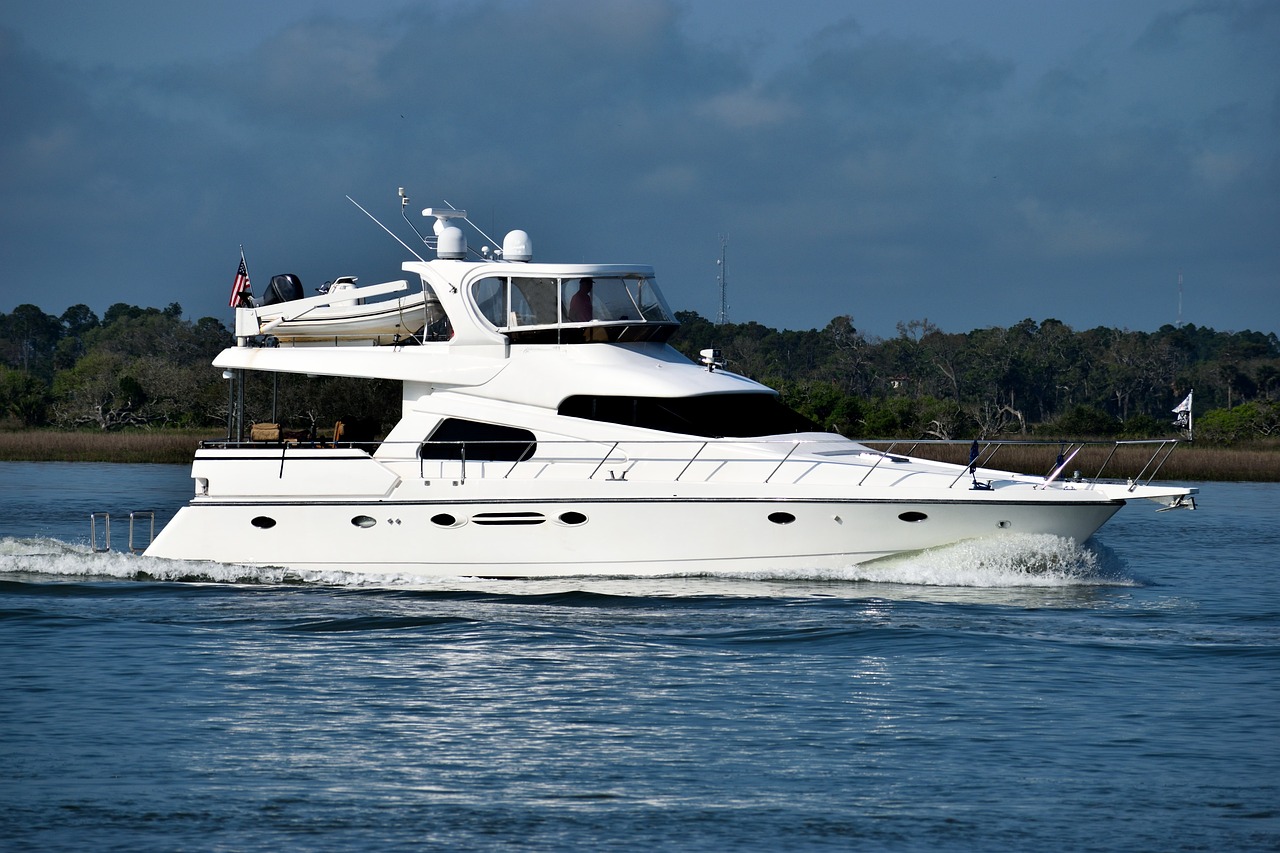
x=43 y=556
x=1041 y=560
x=1035 y=561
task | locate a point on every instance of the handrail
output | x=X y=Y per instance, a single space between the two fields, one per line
x=151 y=535
x=783 y=462
x=544 y=451
x=1164 y=449
x=696 y=454
x=105 y=518
x=603 y=459
x=1172 y=448
x=93 y=531
x=883 y=456
x=1053 y=475
x=977 y=462
x=1138 y=478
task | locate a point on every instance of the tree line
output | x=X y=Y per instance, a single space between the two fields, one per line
x=150 y=367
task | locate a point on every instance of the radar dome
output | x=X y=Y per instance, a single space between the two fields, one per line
x=452 y=244
x=517 y=246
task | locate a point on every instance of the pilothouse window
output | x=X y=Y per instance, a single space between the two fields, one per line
x=490 y=295
x=459 y=439
x=612 y=298
x=711 y=416
x=510 y=303
x=518 y=301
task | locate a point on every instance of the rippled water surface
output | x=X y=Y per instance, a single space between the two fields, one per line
x=1036 y=695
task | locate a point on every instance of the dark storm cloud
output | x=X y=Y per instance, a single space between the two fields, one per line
x=889 y=174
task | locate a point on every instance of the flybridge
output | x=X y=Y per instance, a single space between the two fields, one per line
x=464 y=297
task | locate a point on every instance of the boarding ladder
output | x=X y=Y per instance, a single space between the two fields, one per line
x=135 y=516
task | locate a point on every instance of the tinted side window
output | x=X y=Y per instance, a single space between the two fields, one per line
x=712 y=416
x=458 y=439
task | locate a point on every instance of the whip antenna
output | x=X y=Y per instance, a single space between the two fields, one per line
x=388 y=230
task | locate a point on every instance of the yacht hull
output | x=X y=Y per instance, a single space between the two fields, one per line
x=624 y=536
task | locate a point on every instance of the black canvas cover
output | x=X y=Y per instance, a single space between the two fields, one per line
x=285 y=287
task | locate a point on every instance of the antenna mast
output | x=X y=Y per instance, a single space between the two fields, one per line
x=723 y=281
x=1179 y=299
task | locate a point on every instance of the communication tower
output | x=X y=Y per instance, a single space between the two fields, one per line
x=723 y=281
x=1179 y=299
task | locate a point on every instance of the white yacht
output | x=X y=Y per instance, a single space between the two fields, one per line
x=549 y=429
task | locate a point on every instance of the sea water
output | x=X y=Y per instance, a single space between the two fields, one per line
x=1123 y=694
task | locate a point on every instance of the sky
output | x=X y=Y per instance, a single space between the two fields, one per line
x=970 y=163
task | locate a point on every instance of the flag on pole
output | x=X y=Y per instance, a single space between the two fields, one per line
x=1182 y=413
x=240 y=287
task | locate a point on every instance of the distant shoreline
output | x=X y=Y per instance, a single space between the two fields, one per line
x=1259 y=462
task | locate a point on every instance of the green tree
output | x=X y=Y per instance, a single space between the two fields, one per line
x=99 y=392
x=28 y=338
x=1081 y=421
x=1255 y=419
x=23 y=397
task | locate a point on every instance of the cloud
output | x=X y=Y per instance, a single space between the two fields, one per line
x=884 y=172
x=1073 y=232
x=747 y=109
x=1194 y=21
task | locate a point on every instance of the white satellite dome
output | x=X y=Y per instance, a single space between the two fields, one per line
x=452 y=244
x=517 y=246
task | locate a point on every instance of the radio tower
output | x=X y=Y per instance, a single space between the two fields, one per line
x=1179 y=299
x=722 y=280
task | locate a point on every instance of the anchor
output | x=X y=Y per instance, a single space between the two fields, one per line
x=1180 y=502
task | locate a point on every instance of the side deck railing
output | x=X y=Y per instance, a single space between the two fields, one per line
x=982 y=454
x=614 y=460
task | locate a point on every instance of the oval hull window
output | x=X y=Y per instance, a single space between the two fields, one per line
x=572 y=518
x=781 y=517
x=912 y=515
x=444 y=520
x=363 y=521
x=508 y=518
x=263 y=522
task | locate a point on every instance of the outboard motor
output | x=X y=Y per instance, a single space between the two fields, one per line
x=285 y=287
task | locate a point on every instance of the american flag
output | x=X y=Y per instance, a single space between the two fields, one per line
x=241 y=284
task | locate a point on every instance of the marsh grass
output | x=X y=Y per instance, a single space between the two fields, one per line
x=160 y=446
x=1259 y=462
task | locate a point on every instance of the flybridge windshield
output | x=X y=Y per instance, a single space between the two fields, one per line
x=513 y=302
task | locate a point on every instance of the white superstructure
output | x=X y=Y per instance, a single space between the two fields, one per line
x=547 y=429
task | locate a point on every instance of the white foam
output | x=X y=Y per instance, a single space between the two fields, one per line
x=64 y=559
x=1020 y=560
x=1009 y=561
x=55 y=557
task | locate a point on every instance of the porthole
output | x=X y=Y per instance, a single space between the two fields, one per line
x=444 y=520
x=262 y=522
x=781 y=517
x=1002 y=524
x=572 y=518
x=912 y=516
x=363 y=521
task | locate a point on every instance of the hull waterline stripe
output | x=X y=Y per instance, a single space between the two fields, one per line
x=356 y=502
